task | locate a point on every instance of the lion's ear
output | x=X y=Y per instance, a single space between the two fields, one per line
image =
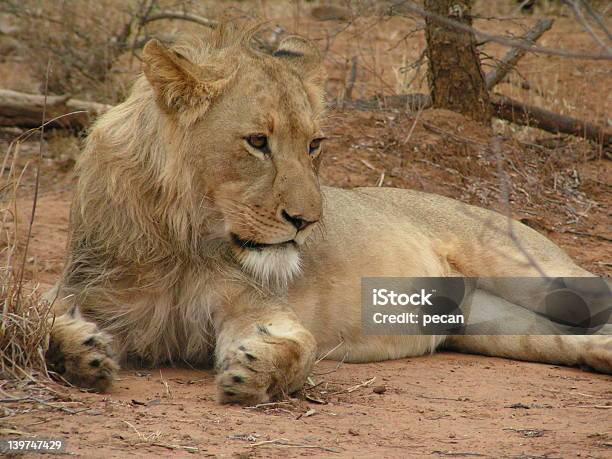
x=180 y=85
x=304 y=56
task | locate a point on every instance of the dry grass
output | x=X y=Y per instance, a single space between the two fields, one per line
x=24 y=318
x=23 y=330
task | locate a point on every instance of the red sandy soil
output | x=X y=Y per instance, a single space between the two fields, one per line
x=443 y=405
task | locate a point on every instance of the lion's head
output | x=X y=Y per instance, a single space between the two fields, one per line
x=246 y=125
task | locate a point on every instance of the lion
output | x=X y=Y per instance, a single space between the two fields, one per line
x=200 y=234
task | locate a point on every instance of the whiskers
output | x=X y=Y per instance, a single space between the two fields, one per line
x=252 y=222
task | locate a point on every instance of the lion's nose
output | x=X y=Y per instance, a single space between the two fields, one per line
x=297 y=220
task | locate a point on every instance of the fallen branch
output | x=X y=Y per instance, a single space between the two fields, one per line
x=512 y=57
x=504 y=108
x=25 y=110
x=528 y=115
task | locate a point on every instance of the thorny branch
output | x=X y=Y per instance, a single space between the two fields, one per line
x=574 y=5
x=508 y=62
x=183 y=16
x=598 y=18
x=523 y=44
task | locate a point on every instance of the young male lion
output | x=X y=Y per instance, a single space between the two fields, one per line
x=200 y=232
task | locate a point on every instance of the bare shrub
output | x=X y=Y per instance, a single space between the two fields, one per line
x=80 y=39
x=84 y=41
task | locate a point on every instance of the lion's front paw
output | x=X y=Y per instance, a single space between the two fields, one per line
x=80 y=353
x=260 y=369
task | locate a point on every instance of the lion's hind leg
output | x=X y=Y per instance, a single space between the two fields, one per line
x=80 y=353
x=592 y=352
x=504 y=329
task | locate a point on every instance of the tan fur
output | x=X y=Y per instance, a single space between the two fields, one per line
x=168 y=176
x=80 y=352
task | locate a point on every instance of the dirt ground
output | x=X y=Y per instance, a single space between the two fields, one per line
x=445 y=405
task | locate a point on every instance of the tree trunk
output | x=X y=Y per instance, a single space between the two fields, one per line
x=455 y=78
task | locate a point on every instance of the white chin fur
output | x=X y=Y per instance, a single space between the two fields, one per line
x=272 y=265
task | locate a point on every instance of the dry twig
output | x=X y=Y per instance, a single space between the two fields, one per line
x=510 y=60
x=285 y=443
x=511 y=42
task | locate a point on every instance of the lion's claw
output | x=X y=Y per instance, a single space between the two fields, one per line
x=80 y=353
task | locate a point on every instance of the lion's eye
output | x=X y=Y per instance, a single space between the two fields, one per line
x=314 y=146
x=260 y=142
